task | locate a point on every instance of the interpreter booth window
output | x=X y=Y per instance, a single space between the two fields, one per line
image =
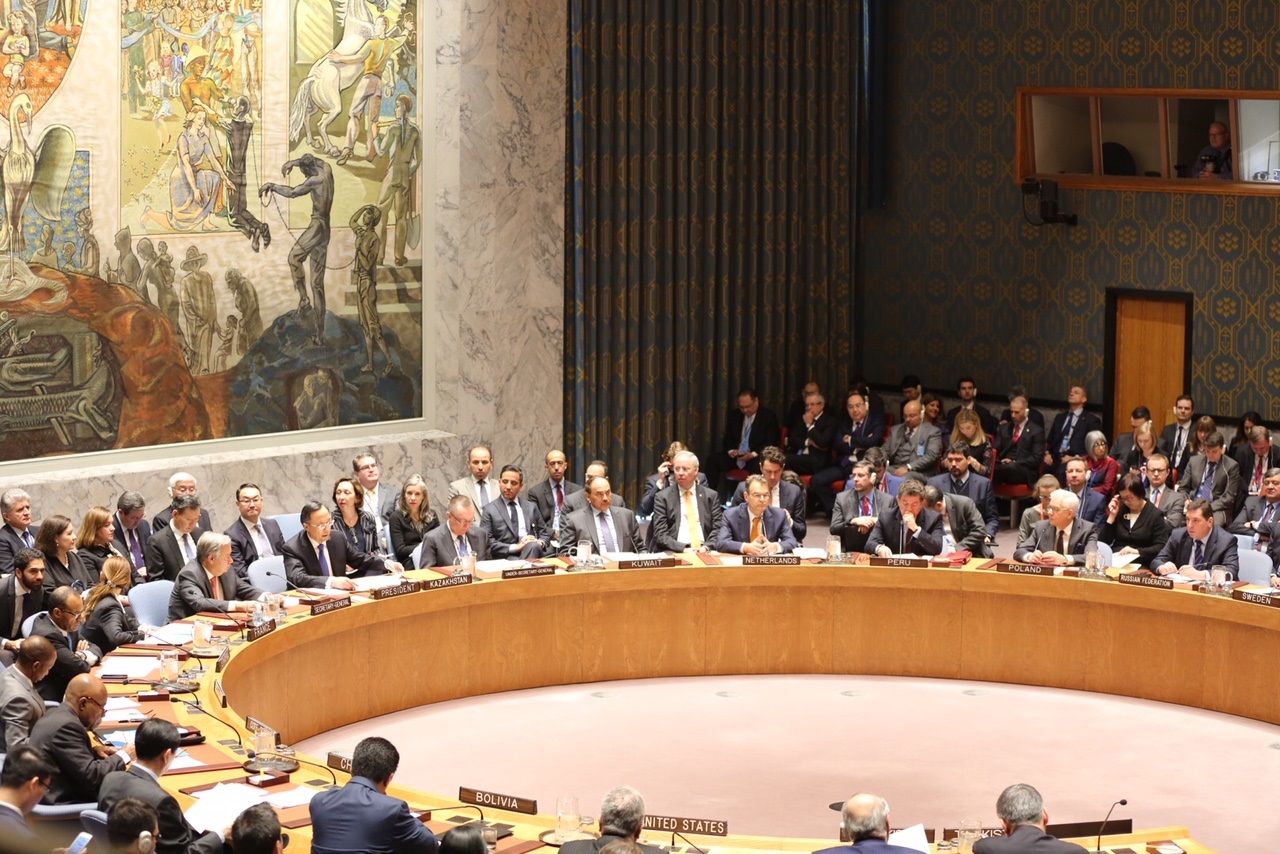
x=1196 y=141
x=1063 y=137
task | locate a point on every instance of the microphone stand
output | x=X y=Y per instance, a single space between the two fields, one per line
x=195 y=705
x=1120 y=803
x=688 y=841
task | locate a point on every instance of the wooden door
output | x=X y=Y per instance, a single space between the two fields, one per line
x=1150 y=366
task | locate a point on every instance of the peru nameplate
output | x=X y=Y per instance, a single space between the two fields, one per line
x=510 y=803
x=328 y=606
x=770 y=560
x=914 y=562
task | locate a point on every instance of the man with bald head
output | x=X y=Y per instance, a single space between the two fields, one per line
x=61 y=627
x=865 y=819
x=63 y=733
x=913 y=445
x=608 y=528
x=550 y=495
x=20 y=703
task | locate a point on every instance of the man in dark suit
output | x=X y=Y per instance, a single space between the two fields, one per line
x=748 y=429
x=857 y=509
x=865 y=819
x=1255 y=458
x=967 y=391
x=156 y=743
x=1123 y=445
x=787 y=496
x=686 y=517
x=61 y=627
x=16 y=533
x=811 y=436
x=63 y=733
x=551 y=493
x=20 y=703
x=1066 y=436
x=1060 y=540
x=133 y=532
x=180 y=484
x=1023 y=816
x=174 y=546
x=1019 y=446
x=757 y=527
x=962 y=525
x=1258 y=518
x=360 y=816
x=314 y=558
x=1214 y=476
x=1175 y=439
x=862 y=431
x=21 y=595
x=1093 y=507
x=26 y=774
x=1167 y=500
x=252 y=536
x=621 y=819
x=513 y=524
x=206 y=584
x=609 y=528
x=961 y=481
x=908 y=527
x=576 y=501
x=459 y=536
x=1200 y=546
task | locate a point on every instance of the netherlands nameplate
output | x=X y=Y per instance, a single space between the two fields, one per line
x=770 y=560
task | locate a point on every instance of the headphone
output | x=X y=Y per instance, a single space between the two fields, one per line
x=146 y=842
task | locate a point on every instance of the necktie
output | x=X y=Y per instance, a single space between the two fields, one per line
x=1197 y=556
x=744 y=444
x=1206 y=486
x=1155 y=498
x=866 y=505
x=957 y=487
x=484 y=492
x=606 y=536
x=1257 y=476
x=1177 y=448
x=1017 y=433
x=515 y=517
x=322 y=554
x=1061 y=545
x=1066 y=434
x=135 y=548
x=462 y=545
x=260 y=538
x=559 y=498
x=755 y=528
x=188 y=549
x=216 y=586
x=691 y=519
x=28 y=539
x=1266 y=514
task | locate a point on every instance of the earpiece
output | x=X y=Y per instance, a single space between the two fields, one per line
x=146 y=842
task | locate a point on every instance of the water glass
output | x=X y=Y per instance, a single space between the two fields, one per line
x=170 y=667
x=568 y=818
x=467 y=563
x=833 y=549
x=202 y=634
x=970 y=833
x=583 y=553
x=264 y=741
x=489 y=834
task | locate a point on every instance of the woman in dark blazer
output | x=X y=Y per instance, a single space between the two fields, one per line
x=349 y=519
x=1141 y=530
x=411 y=520
x=109 y=622
x=56 y=540
x=96 y=540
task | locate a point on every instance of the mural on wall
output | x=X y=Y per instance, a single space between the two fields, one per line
x=261 y=268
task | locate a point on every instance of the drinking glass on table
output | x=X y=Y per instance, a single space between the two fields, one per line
x=970 y=833
x=568 y=818
x=489 y=834
x=170 y=667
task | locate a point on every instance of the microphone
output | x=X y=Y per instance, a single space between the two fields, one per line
x=286 y=759
x=689 y=842
x=299 y=590
x=456 y=807
x=1123 y=802
x=194 y=705
x=243 y=627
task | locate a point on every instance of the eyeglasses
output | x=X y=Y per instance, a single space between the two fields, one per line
x=76 y=614
x=102 y=706
x=323 y=526
x=251 y=500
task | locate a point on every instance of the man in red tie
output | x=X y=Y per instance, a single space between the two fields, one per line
x=550 y=495
x=857 y=509
x=1019 y=446
x=1256 y=457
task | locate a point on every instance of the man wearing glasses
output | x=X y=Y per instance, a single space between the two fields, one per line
x=252 y=535
x=1166 y=499
x=63 y=733
x=460 y=536
x=315 y=559
x=61 y=627
x=23 y=782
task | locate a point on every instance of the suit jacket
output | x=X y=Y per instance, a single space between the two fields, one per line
x=144 y=536
x=1254 y=507
x=467 y=486
x=1026 y=839
x=922 y=454
x=192 y=592
x=110 y=625
x=20 y=707
x=765 y=430
x=967 y=527
x=790 y=498
x=1170 y=504
x=582 y=526
x=80 y=771
x=889 y=532
x=496 y=522
x=1121 y=449
x=302 y=566
x=164 y=555
x=847 y=509
x=1226 y=485
x=1246 y=459
x=1029 y=450
x=989 y=422
x=978 y=490
x=1168 y=436
x=58 y=574
x=1044 y=538
x=869 y=846
x=10 y=543
x=577 y=501
x=593 y=846
x=1220 y=548
x=1148 y=533
x=668 y=509
x=176 y=835
x=1093 y=507
x=868 y=434
x=14 y=826
x=735 y=529
x=651 y=490
x=161 y=520
x=33 y=604
x=405 y=537
x=439 y=549
x=357 y=817
x=546 y=500
x=1086 y=423
x=823 y=434
x=244 y=550
x=67 y=665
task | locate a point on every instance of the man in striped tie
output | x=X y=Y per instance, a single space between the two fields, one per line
x=16 y=533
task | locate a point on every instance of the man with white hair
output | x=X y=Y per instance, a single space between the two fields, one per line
x=180 y=483
x=204 y=584
x=16 y=533
x=621 y=817
x=1061 y=539
x=1023 y=816
x=687 y=516
x=865 y=819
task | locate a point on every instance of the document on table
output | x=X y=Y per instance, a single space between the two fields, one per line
x=115 y=704
x=292 y=798
x=178 y=633
x=1118 y=560
x=373 y=582
x=215 y=809
x=123 y=716
x=1179 y=578
x=912 y=837
x=131 y=666
x=185 y=761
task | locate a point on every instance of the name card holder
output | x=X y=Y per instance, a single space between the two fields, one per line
x=1024 y=568
x=912 y=562
x=221 y=664
x=1256 y=598
x=538 y=569
x=339 y=761
x=261 y=630
x=510 y=803
x=254 y=724
x=220 y=694
x=447 y=581
x=1146 y=581
x=404 y=588
x=329 y=604
x=676 y=824
x=656 y=562
x=770 y=560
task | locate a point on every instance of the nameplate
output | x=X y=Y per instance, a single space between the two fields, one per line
x=914 y=562
x=510 y=803
x=649 y=563
x=769 y=560
x=528 y=572
x=402 y=589
x=221 y=664
x=220 y=694
x=261 y=630
x=328 y=606
x=675 y=824
x=254 y=725
x=1024 y=568
x=1256 y=598
x=339 y=761
x=1146 y=580
x=447 y=581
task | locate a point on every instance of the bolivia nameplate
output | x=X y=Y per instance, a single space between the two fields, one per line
x=659 y=562
x=1146 y=580
x=221 y=664
x=1024 y=568
x=914 y=562
x=402 y=589
x=529 y=571
x=675 y=824
x=510 y=803
x=1256 y=598
x=770 y=560
x=220 y=694
x=447 y=581
x=328 y=606
x=261 y=630
x=339 y=761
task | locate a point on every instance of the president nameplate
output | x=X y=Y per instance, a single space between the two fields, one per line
x=675 y=824
x=1146 y=581
x=510 y=803
x=529 y=571
x=404 y=588
x=448 y=581
x=770 y=560
x=912 y=562
x=1256 y=598
x=328 y=606
x=1024 y=568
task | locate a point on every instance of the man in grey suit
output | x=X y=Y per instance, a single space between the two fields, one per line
x=962 y=525
x=1024 y=818
x=1167 y=500
x=458 y=537
x=378 y=502
x=1261 y=513
x=913 y=445
x=609 y=528
x=514 y=525
x=20 y=703
x=1061 y=539
x=783 y=495
x=857 y=509
x=205 y=584
x=479 y=486
x=1215 y=477
x=686 y=517
x=16 y=533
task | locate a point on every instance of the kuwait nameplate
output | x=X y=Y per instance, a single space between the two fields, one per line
x=660 y=562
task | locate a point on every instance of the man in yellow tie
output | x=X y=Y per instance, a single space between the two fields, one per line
x=686 y=515
x=756 y=527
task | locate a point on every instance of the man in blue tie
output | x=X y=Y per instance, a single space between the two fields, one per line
x=1260 y=512
x=16 y=533
x=1215 y=477
x=314 y=558
x=1066 y=436
x=1194 y=550
x=459 y=537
